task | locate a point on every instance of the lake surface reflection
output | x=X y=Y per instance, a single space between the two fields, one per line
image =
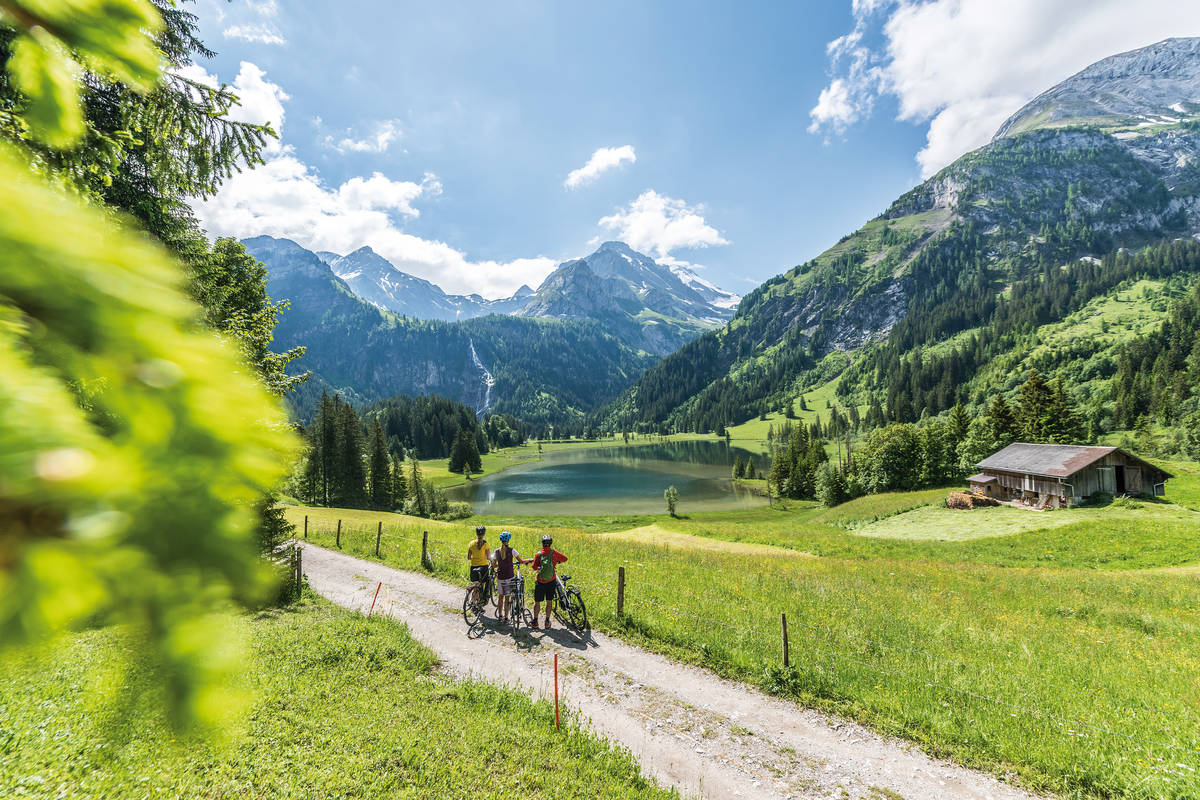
x=616 y=480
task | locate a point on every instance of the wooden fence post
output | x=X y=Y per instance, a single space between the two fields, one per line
x=339 y=535
x=425 y=549
x=783 y=619
x=378 y=536
x=620 y=591
x=306 y=526
x=299 y=569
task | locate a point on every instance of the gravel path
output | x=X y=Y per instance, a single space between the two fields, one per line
x=688 y=728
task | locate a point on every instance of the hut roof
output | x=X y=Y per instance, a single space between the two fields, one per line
x=1051 y=460
x=982 y=477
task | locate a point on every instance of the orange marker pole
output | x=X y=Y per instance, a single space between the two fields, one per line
x=373 y=599
x=556 y=691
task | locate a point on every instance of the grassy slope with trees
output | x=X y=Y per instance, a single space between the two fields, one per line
x=979 y=248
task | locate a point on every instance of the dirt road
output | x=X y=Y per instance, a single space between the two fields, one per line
x=689 y=729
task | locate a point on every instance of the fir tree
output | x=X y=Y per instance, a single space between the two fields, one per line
x=380 y=472
x=957 y=422
x=739 y=468
x=1004 y=423
x=348 y=484
x=1064 y=425
x=418 y=503
x=399 y=483
x=1033 y=407
x=465 y=454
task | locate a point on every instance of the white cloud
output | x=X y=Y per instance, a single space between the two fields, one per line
x=380 y=138
x=602 y=160
x=254 y=32
x=657 y=225
x=254 y=22
x=286 y=197
x=966 y=65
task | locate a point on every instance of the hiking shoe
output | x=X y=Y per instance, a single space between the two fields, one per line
x=547 y=624
x=533 y=624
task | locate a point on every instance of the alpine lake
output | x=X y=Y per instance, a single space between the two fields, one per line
x=621 y=479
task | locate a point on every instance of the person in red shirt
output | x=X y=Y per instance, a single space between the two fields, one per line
x=544 y=563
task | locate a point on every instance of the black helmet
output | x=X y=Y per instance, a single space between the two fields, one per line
x=547 y=540
x=480 y=531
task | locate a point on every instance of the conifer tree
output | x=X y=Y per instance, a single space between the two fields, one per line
x=399 y=484
x=957 y=423
x=1064 y=425
x=348 y=484
x=1033 y=407
x=739 y=468
x=379 y=488
x=1004 y=423
x=418 y=501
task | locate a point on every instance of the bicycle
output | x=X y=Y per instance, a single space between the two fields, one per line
x=518 y=612
x=570 y=603
x=479 y=593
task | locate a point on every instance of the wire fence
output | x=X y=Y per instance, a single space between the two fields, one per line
x=716 y=628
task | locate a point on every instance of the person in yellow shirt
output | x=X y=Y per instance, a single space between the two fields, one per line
x=479 y=557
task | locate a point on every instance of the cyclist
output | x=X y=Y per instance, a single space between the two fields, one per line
x=544 y=562
x=478 y=556
x=506 y=558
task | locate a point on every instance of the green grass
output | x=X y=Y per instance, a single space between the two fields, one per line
x=345 y=707
x=815 y=399
x=1037 y=653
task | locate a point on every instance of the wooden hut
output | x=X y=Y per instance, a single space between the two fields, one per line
x=1054 y=475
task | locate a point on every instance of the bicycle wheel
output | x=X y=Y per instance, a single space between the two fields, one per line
x=568 y=610
x=470 y=607
x=580 y=610
x=493 y=591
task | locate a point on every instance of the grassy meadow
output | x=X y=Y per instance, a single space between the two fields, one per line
x=343 y=707
x=1057 y=647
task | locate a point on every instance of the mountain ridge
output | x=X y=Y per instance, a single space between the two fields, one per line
x=661 y=307
x=939 y=259
x=546 y=372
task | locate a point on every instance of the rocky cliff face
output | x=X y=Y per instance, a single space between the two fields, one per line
x=645 y=303
x=1154 y=85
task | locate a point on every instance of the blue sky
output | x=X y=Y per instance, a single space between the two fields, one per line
x=742 y=138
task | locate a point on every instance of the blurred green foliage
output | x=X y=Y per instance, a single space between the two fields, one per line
x=133 y=442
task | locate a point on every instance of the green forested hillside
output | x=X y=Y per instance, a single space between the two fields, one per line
x=546 y=372
x=959 y=273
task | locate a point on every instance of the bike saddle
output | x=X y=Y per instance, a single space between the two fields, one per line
x=566 y=578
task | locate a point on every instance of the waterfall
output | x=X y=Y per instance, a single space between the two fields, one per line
x=488 y=380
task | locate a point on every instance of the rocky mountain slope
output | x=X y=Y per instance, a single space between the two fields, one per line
x=1046 y=191
x=644 y=303
x=373 y=278
x=649 y=306
x=1155 y=85
x=547 y=372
